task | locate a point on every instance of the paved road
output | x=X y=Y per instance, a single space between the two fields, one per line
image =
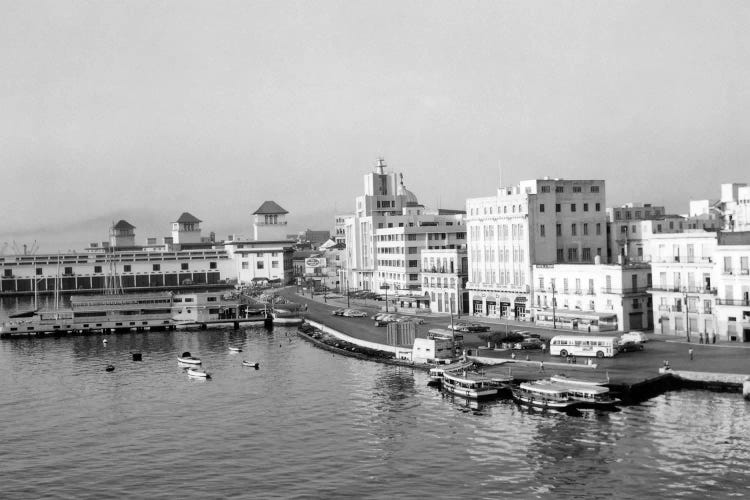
x=628 y=367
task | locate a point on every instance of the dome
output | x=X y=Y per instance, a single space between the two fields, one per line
x=410 y=199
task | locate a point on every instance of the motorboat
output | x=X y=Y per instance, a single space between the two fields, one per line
x=544 y=394
x=196 y=373
x=437 y=372
x=187 y=359
x=252 y=364
x=589 y=394
x=235 y=349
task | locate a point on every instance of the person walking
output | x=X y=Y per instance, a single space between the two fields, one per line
x=700 y=338
x=541 y=367
x=690 y=353
x=544 y=348
x=713 y=337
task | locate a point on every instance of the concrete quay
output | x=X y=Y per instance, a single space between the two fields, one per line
x=635 y=376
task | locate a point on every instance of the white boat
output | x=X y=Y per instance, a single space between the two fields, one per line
x=252 y=364
x=235 y=349
x=196 y=373
x=187 y=359
x=544 y=394
x=589 y=394
x=469 y=385
x=437 y=372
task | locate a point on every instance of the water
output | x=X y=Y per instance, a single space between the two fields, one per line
x=309 y=424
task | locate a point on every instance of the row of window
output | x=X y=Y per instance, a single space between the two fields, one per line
x=127 y=268
x=573 y=229
x=260 y=264
x=561 y=189
x=573 y=207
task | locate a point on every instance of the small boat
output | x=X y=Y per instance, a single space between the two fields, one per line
x=235 y=349
x=469 y=385
x=544 y=394
x=196 y=373
x=187 y=359
x=110 y=368
x=252 y=364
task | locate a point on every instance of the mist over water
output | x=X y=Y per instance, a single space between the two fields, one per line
x=312 y=424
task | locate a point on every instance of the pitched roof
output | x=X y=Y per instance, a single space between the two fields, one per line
x=270 y=207
x=123 y=224
x=188 y=218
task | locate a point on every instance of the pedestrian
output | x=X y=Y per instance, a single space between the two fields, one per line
x=544 y=348
x=541 y=367
x=713 y=337
x=513 y=355
x=574 y=360
x=690 y=353
x=700 y=338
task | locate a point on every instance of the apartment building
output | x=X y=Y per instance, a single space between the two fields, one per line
x=443 y=275
x=544 y=221
x=731 y=278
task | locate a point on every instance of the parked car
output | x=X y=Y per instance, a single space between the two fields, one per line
x=530 y=343
x=629 y=346
x=354 y=313
x=634 y=336
x=337 y=312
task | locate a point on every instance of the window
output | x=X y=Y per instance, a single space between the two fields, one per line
x=38 y=271
x=585 y=229
x=632 y=229
x=244 y=265
x=97 y=269
x=586 y=254
x=585 y=207
x=595 y=189
x=156 y=267
x=275 y=264
x=541 y=207
x=260 y=264
x=560 y=255
x=260 y=254
x=545 y=189
x=598 y=207
x=8 y=273
x=126 y=268
x=598 y=228
x=557 y=207
x=541 y=230
x=573 y=229
x=559 y=229
x=559 y=189
x=576 y=189
x=572 y=207
x=572 y=254
x=212 y=265
x=184 y=266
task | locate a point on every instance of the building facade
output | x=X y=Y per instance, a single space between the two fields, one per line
x=443 y=275
x=544 y=221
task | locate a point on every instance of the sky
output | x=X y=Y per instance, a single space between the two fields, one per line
x=142 y=110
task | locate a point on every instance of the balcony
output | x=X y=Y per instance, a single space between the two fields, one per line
x=732 y=302
x=626 y=291
x=682 y=289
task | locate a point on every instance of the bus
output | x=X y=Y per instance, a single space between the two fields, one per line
x=583 y=345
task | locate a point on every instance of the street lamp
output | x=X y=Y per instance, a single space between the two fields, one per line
x=554 y=303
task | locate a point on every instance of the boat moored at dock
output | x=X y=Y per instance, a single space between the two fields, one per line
x=471 y=384
x=544 y=394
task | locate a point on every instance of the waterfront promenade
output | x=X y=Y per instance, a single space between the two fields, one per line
x=625 y=369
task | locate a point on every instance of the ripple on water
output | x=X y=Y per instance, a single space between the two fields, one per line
x=312 y=424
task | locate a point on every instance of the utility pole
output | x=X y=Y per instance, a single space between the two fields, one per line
x=554 y=304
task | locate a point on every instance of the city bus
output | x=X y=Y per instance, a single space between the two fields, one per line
x=583 y=345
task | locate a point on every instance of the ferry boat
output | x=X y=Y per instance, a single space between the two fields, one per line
x=544 y=394
x=589 y=394
x=437 y=372
x=97 y=313
x=469 y=385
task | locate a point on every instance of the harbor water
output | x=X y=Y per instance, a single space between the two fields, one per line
x=309 y=424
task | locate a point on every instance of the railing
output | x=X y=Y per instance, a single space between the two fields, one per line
x=683 y=289
x=624 y=291
x=741 y=272
x=732 y=302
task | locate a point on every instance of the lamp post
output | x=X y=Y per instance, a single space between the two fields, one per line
x=554 y=304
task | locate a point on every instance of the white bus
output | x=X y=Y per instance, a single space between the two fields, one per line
x=583 y=345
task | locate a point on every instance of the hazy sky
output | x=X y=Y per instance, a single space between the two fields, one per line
x=140 y=110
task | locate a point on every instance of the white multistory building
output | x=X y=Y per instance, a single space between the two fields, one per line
x=683 y=288
x=385 y=235
x=538 y=222
x=731 y=278
x=443 y=275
